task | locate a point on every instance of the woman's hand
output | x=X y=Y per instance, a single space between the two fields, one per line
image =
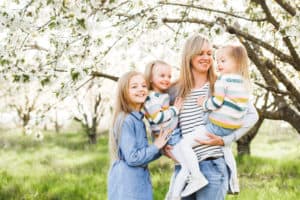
x=162 y=138
x=214 y=140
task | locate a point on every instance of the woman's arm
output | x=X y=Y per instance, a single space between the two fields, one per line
x=248 y=122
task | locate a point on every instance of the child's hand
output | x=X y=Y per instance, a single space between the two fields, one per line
x=201 y=100
x=167 y=151
x=178 y=103
x=162 y=138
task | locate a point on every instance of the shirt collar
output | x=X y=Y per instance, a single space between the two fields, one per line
x=137 y=114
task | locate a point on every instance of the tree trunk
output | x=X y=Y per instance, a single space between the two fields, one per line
x=25 y=120
x=93 y=138
x=243 y=144
x=92 y=133
x=290 y=116
x=243 y=147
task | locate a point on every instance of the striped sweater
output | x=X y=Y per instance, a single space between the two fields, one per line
x=191 y=116
x=229 y=102
x=159 y=113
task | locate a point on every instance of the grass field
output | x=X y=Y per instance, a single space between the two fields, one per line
x=64 y=166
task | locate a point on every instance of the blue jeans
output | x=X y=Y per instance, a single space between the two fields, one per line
x=217 y=130
x=216 y=173
x=175 y=137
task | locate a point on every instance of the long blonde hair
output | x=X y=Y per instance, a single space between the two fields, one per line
x=193 y=46
x=122 y=107
x=149 y=71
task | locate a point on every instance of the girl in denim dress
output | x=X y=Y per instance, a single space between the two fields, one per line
x=129 y=178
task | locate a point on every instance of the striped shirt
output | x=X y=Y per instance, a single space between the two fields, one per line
x=192 y=115
x=159 y=113
x=229 y=102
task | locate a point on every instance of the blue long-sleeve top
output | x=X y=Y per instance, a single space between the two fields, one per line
x=129 y=177
x=134 y=147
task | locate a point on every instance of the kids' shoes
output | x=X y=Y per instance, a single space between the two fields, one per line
x=195 y=184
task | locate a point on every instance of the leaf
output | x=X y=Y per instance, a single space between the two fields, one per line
x=74 y=75
x=81 y=22
x=25 y=78
x=45 y=81
x=49 y=2
x=16 y=78
x=52 y=25
x=4 y=62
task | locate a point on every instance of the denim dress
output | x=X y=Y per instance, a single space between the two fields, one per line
x=129 y=177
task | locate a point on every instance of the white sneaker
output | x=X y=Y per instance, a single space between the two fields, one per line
x=175 y=198
x=170 y=197
x=194 y=185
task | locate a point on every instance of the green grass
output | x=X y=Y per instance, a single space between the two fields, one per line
x=65 y=166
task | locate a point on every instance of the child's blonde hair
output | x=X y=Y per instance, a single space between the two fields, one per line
x=240 y=56
x=193 y=46
x=123 y=106
x=149 y=70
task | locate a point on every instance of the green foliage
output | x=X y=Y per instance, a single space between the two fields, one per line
x=64 y=166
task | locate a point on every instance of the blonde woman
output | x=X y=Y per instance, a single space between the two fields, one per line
x=129 y=177
x=216 y=161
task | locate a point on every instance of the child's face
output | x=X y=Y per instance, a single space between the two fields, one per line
x=226 y=63
x=161 y=77
x=137 y=91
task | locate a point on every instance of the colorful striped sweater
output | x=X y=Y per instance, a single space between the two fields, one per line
x=159 y=113
x=229 y=102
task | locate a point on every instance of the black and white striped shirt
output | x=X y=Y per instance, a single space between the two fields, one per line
x=191 y=115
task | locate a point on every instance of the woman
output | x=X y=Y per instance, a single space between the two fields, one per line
x=216 y=160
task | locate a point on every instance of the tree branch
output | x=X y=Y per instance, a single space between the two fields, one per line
x=283 y=57
x=188 y=20
x=287 y=7
x=265 y=66
x=100 y=74
x=281 y=77
x=212 y=10
x=273 y=89
x=267 y=11
x=276 y=24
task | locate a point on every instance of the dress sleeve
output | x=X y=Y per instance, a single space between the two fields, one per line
x=134 y=155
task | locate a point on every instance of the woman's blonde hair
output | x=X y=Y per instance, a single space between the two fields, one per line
x=123 y=106
x=149 y=70
x=193 y=46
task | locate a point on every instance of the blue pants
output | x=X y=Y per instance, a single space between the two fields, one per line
x=175 y=137
x=216 y=173
x=217 y=130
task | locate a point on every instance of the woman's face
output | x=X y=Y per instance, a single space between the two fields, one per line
x=202 y=61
